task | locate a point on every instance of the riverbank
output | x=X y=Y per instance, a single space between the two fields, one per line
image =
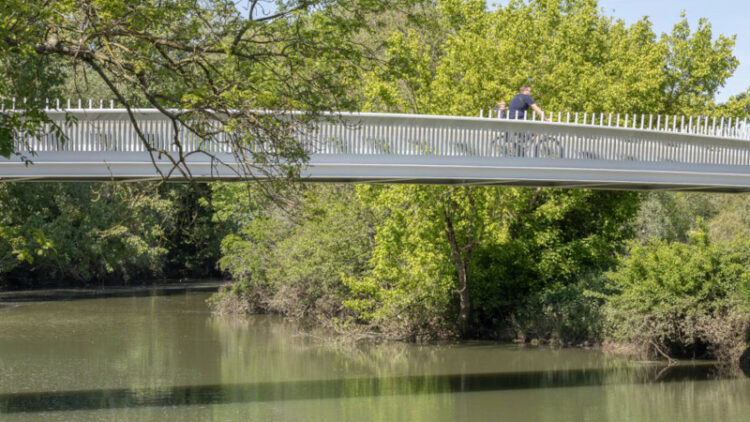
x=156 y=289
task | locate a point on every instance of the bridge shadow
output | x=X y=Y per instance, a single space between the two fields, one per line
x=343 y=388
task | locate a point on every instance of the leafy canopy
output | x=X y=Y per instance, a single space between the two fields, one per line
x=242 y=65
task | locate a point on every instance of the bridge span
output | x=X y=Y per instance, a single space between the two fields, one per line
x=633 y=153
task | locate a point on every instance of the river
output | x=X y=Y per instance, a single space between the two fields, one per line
x=163 y=357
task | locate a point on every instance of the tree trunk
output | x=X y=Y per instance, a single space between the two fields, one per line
x=464 y=300
x=462 y=266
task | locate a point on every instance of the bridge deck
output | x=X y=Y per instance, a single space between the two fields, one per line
x=374 y=148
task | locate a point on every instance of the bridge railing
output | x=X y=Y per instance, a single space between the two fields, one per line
x=355 y=136
x=728 y=127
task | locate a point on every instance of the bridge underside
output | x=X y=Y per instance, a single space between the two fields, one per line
x=560 y=173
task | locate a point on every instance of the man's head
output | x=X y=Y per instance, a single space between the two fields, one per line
x=501 y=105
x=526 y=89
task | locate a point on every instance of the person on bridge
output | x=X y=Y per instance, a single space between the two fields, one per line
x=520 y=104
x=501 y=109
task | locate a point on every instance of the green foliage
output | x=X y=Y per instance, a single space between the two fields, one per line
x=575 y=57
x=730 y=218
x=738 y=106
x=19 y=246
x=556 y=238
x=291 y=259
x=697 y=66
x=671 y=216
x=212 y=60
x=514 y=243
x=419 y=285
x=666 y=293
x=91 y=238
x=561 y=314
x=77 y=233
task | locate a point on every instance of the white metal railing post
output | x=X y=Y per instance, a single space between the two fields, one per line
x=706 y=143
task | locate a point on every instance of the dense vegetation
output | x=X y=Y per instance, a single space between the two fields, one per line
x=527 y=264
x=666 y=272
x=75 y=234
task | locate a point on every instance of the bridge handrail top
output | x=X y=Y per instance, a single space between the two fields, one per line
x=551 y=127
x=154 y=111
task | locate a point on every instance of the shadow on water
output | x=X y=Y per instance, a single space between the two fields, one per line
x=344 y=388
x=51 y=295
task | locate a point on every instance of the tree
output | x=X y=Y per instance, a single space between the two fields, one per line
x=576 y=58
x=440 y=243
x=467 y=257
x=79 y=233
x=423 y=255
x=226 y=71
x=696 y=66
x=738 y=106
x=291 y=260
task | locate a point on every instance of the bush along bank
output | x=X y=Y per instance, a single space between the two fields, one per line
x=381 y=261
x=676 y=299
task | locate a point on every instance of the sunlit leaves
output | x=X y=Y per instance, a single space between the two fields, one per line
x=207 y=60
x=575 y=57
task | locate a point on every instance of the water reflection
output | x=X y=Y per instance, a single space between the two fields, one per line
x=164 y=357
x=342 y=388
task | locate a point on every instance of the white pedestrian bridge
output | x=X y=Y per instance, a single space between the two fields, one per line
x=577 y=151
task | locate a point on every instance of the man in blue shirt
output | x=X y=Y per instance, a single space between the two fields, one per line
x=521 y=103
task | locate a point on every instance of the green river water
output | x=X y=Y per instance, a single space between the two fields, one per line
x=163 y=357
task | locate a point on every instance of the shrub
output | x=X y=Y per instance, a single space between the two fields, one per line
x=672 y=298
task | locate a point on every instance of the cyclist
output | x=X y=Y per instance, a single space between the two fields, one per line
x=521 y=103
